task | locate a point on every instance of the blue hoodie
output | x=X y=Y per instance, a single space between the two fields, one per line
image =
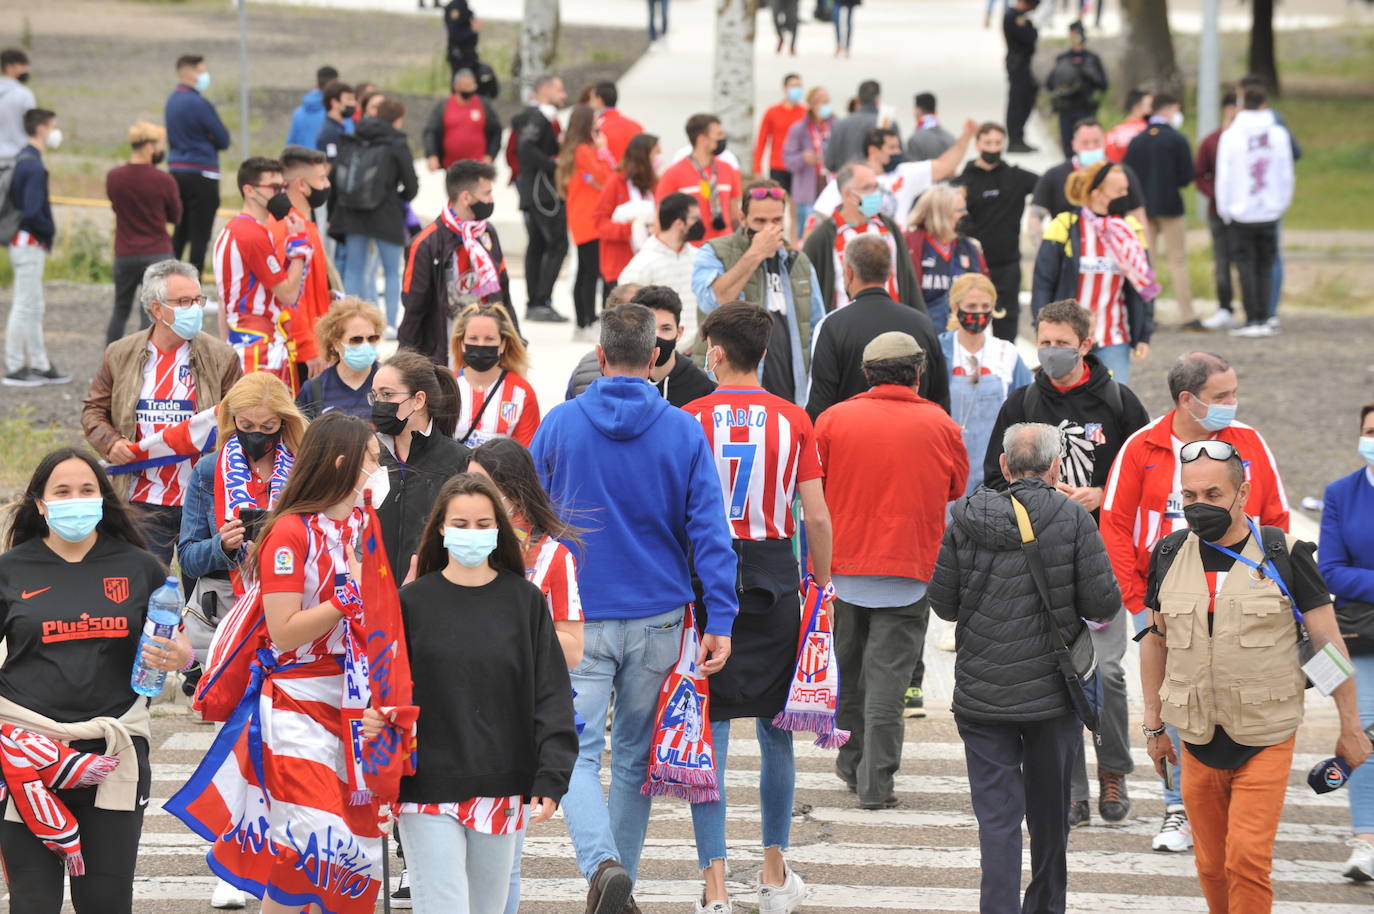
x=637 y=475
x=306 y=120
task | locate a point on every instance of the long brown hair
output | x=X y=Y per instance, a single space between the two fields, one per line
x=26 y=523
x=581 y=123
x=511 y=468
x=638 y=164
x=432 y=556
x=440 y=386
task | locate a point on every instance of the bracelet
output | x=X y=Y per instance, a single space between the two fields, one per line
x=1151 y=734
x=190 y=663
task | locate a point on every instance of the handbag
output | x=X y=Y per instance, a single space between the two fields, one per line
x=1077 y=661
x=825 y=10
x=1356 y=622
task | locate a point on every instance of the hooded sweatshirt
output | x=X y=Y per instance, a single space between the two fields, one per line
x=636 y=474
x=1254 y=171
x=307 y=120
x=15 y=99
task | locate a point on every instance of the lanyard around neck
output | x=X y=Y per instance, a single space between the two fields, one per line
x=1264 y=566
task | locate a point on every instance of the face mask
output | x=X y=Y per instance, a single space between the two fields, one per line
x=1176 y=120
x=481 y=212
x=870 y=204
x=660 y=162
x=385 y=420
x=186 y=322
x=826 y=111
x=1366 y=450
x=720 y=147
x=990 y=158
x=892 y=162
x=23 y=77
x=279 y=206
x=159 y=157
x=465 y=96
x=1121 y=205
x=379 y=482
x=794 y=94
x=1091 y=156
x=348 y=111
x=360 y=357
x=54 y=138
x=317 y=197
x=711 y=369
x=73 y=519
x=202 y=81
x=468 y=546
x=481 y=358
x=1058 y=361
x=1209 y=522
x=975 y=321
x=549 y=111
x=1217 y=417
x=665 y=351
x=696 y=231
x=257 y=444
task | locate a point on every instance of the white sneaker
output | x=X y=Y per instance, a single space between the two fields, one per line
x=227 y=897
x=1273 y=323
x=786 y=898
x=1222 y=320
x=1175 y=835
x=1253 y=331
x=715 y=907
x=400 y=899
x=1360 y=866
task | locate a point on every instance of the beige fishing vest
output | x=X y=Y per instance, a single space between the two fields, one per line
x=1245 y=676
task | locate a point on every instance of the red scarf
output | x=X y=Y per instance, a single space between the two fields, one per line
x=1126 y=250
x=815 y=690
x=474 y=270
x=843 y=233
x=682 y=758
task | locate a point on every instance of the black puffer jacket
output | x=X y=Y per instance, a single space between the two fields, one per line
x=1004 y=669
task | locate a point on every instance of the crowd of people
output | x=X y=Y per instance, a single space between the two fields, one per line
x=768 y=353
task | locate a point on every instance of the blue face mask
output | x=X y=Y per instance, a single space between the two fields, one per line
x=202 y=81
x=187 y=321
x=827 y=111
x=1218 y=416
x=468 y=545
x=73 y=519
x=360 y=357
x=871 y=204
x=1091 y=156
x=794 y=94
x=1367 y=450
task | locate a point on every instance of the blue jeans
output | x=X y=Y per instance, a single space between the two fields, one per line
x=843 y=34
x=1361 y=785
x=777 y=780
x=631 y=656
x=1171 y=797
x=513 y=893
x=1117 y=359
x=455 y=869
x=803 y=213
x=1276 y=289
x=661 y=27
x=361 y=282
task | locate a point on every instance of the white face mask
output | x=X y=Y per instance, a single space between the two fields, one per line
x=54 y=138
x=379 y=481
x=1176 y=120
x=549 y=111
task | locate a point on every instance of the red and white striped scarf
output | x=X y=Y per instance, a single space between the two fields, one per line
x=1126 y=248
x=843 y=233
x=473 y=268
x=814 y=695
x=682 y=756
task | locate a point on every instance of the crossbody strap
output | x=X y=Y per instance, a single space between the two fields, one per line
x=1031 y=548
x=485 y=403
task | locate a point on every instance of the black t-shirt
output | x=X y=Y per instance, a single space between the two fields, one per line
x=72 y=628
x=996 y=200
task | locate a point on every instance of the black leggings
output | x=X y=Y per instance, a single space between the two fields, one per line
x=109 y=844
x=584 y=286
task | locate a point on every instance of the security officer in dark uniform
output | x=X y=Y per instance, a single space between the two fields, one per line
x=1021 y=36
x=462 y=37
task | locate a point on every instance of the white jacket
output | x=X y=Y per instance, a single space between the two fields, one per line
x=1254 y=169
x=656 y=264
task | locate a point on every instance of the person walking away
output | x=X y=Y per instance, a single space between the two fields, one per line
x=584 y=168
x=195 y=138
x=939 y=252
x=880 y=574
x=616 y=127
x=1138 y=105
x=624 y=216
x=1097 y=257
x=455 y=260
x=462 y=126
x=1205 y=169
x=1161 y=156
x=489 y=358
x=348 y=336
x=766 y=633
x=929 y=140
x=1276 y=291
x=71 y=546
x=26 y=356
x=996 y=201
x=308 y=117
x=463 y=33
x=847 y=137
x=843 y=13
x=1048 y=199
x=145 y=200
x=1211 y=624
x=666 y=259
x=1076 y=84
x=546 y=218
x=306 y=173
x=581 y=451
x=1347 y=565
x=15 y=98
x=778 y=119
x=257 y=293
x=803 y=154
x=785 y=23
x=1021 y=35
x=1010 y=703
x=756 y=264
x=1254 y=186
x=705 y=175
x=1143 y=503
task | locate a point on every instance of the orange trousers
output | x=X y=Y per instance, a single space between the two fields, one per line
x=1235 y=816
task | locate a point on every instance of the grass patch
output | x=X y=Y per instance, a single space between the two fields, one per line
x=23 y=443
x=82 y=253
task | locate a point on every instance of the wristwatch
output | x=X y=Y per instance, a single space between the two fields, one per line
x=1151 y=733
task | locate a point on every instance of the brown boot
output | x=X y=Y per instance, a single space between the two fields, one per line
x=1112 y=800
x=610 y=888
x=631 y=907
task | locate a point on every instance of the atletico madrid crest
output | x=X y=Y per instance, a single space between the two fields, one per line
x=117 y=589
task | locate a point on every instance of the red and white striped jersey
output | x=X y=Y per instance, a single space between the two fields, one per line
x=246 y=269
x=844 y=233
x=168 y=396
x=305 y=554
x=515 y=414
x=763 y=446
x=550 y=566
x=484 y=815
x=1100 y=288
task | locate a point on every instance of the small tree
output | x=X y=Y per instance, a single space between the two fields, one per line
x=732 y=84
x=1149 y=61
x=538 y=43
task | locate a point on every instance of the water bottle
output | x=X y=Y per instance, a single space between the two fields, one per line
x=164 y=615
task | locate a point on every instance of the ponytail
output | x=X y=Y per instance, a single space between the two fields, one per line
x=1079 y=185
x=440 y=387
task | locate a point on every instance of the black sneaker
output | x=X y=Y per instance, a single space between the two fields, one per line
x=914 y=701
x=1113 y=803
x=545 y=315
x=1079 y=814
x=1021 y=147
x=52 y=376
x=24 y=377
x=400 y=899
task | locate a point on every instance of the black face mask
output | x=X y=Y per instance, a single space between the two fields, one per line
x=481 y=358
x=317 y=197
x=23 y=77
x=279 y=206
x=257 y=444
x=465 y=95
x=720 y=147
x=665 y=351
x=482 y=211
x=1209 y=522
x=991 y=158
x=1121 y=205
x=385 y=420
x=159 y=156
x=696 y=231
x=348 y=111
x=892 y=164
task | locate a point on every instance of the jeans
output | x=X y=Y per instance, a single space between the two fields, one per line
x=1276 y=290
x=630 y=656
x=1172 y=796
x=1020 y=771
x=1116 y=358
x=128 y=279
x=453 y=869
x=844 y=33
x=1006 y=279
x=199 y=200
x=1361 y=785
x=803 y=213
x=548 y=246
x=513 y=893
x=24 y=329
x=876 y=650
x=661 y=7
x=160 y=526
x=584 y=286
x=1254 y=246
x=362 y=283
x=1221 y=261
x=1112 y=740
x=1174 y=230
x=777 y=780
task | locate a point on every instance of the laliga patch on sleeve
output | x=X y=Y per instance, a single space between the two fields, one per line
x=273 y=264
x=1327 y=669
x=283 y=562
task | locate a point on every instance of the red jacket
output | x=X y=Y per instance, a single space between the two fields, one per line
x=874 y=447
x=619 y=130
x=777 y=120
x=615 y=249
x=591 y=169
x=1136 y=505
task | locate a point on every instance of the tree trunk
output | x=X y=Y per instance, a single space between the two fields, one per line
x=538 y=43
x=1149 y=63
x=732 y=89
x=1261 y=57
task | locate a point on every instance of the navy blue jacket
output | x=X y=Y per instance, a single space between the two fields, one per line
x=1164 y=161
x=195 y=134
x=29 y=195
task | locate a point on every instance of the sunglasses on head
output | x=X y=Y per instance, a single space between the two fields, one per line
x=763 y=193
x=1216 y=450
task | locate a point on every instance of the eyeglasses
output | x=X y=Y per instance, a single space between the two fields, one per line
x=387 y=396
x=359 y=340
x=763 y=193
x=197 y=300
x=1216 y=450
x=274 y=188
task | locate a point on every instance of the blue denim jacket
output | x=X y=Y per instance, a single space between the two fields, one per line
x=198 y=548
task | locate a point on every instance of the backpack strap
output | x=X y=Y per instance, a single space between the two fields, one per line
x=1274 y=542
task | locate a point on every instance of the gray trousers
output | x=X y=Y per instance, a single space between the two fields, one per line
x=875 y=649
x=24 y=329
x=1112 y=740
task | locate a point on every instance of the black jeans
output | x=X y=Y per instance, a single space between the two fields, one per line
x=128 y=278
x=1006 y=279
x=584 y=286
x=783 y=177
x=1221 y=261
x=199 y=200
x=1021 y=90
x=160 y=526
x=1021 y=771
x=1253 y=247
x=1067 y=118
x=548 y=246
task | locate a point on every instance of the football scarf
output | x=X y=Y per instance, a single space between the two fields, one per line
x=815 y=690
x=184 y=440
x=33 y=766
x=1127 y=251
x=473 y=267
x=232 y=475
x=682 y=759
x=845 y=233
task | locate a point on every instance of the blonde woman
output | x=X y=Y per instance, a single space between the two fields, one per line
x=490 y=362
x=348 y=335
x=939 y=252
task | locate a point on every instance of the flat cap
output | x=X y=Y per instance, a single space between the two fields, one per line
x=891 y=345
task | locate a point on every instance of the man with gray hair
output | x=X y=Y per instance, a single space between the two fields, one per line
x=462 y=126
x=1011 y=705
x=640 y=471
x=151 y=380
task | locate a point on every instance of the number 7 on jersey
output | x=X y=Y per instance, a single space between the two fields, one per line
x=743 y=453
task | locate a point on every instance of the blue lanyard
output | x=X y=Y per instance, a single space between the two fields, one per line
x=1266 y=566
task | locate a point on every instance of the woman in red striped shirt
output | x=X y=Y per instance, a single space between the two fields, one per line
x=494 y=399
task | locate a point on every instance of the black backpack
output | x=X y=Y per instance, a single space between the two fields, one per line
x=363 y=173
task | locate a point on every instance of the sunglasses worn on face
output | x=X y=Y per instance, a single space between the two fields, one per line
x=359 y=340
x=763 y=193
x=274 y=188
x=1216 y=450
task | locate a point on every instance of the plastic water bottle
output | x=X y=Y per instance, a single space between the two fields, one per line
x=164 y=615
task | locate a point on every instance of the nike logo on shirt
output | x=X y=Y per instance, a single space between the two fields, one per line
x=33 y=593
